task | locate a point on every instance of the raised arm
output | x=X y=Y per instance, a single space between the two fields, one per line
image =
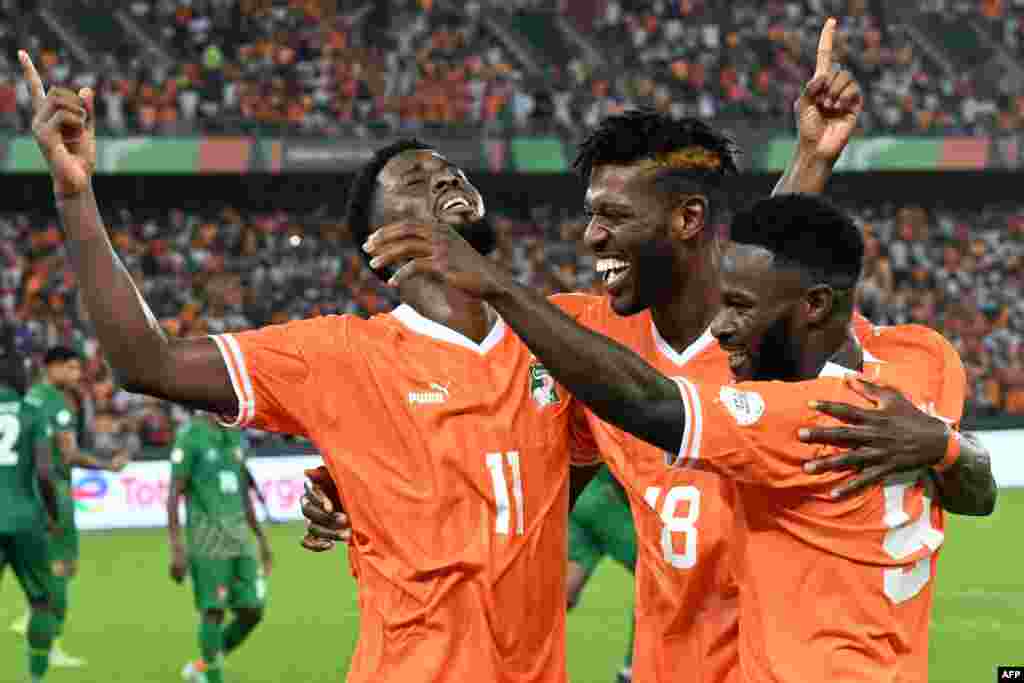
x=190 y=372
x=826 y=118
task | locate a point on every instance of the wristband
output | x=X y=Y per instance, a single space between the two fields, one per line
x=952 y=451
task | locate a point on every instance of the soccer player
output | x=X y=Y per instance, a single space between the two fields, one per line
x=25 y=520
x=831 y=589
x=62 y=373
x=601 y=525
x=456 y=474
x=637 y=167
x=209 y=472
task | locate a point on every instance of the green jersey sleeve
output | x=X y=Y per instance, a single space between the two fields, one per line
x=53 y=407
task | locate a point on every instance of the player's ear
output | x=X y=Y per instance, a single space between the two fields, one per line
x=819 y=304
x=688 y=217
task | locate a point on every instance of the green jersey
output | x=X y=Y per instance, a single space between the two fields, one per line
x=21 y=430
x=59 y=417
x=209 y=459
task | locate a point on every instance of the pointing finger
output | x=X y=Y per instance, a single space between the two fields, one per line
x=35 y=83
x=825 y=47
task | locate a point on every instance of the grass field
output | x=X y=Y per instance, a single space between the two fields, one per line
x=134 y=624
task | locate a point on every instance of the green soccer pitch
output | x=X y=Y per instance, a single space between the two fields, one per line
x=132 y=623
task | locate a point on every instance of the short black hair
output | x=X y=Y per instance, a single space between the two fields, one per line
x=641 y=134
x=61 y=354
x=805 y=232
x=362 y=193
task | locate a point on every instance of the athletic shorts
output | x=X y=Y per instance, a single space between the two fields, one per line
x=28 y=554
x=601 y=524
x=237 y=583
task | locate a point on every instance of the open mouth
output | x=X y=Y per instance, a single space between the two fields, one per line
x=612 y=271
x=454 y=203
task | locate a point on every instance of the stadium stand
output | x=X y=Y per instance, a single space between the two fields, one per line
x=347 y=67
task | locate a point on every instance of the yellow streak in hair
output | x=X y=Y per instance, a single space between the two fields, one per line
x=690 y=157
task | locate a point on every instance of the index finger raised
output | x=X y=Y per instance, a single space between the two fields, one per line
x=35 y=83
x=825 y=47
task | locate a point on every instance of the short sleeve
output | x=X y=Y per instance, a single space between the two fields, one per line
x=748 y=431
x=181 y=457
x=951 y=392
x=583 y=450
x=271 y=374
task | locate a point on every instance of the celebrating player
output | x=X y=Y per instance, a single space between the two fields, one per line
x=654 y=184
x=24 y=520
x=61 y=377
x=601 y=525
x=425 y=417
x=831 y=589
x=209 y=472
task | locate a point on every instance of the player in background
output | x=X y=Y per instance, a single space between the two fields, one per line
x=601 y=525
x=25 y=520
x=209 y=473
x=831 y=589
x=53 y=397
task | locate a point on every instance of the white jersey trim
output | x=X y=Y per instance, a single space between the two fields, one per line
x=689 y=353
x=693 y=421
x=234 y=361
x=419 y=324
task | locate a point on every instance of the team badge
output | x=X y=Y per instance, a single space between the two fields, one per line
x=222 y=593
x=746 y=407
x=542 y=386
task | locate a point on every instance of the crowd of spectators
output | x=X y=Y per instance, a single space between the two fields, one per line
x=748 y=59
x=960 y=273
x=343 y=66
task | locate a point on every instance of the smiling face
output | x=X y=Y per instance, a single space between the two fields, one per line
x=630 y=233
x=421 y=185
x=760 y=323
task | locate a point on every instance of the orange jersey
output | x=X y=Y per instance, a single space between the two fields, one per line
x=686 y=599
x=451 y=459
x=830 y=590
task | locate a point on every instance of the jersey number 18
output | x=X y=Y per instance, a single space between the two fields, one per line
x=678 y=524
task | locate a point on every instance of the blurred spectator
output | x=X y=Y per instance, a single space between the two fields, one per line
x=962 y=274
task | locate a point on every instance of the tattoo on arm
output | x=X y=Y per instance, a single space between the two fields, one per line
x=968 y=488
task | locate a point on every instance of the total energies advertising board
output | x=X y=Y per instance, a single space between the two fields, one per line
x=137 y=496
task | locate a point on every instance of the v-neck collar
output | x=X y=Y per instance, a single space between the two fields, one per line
x=680 y=359
x=412 y=319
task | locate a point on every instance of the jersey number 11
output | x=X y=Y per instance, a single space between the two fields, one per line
x=502 y=502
